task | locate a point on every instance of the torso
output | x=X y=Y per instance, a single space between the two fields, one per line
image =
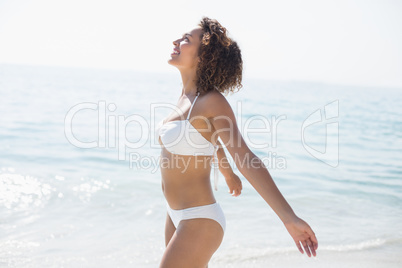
x=186 y=178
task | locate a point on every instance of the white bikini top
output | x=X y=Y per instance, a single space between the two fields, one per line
x=181 y=138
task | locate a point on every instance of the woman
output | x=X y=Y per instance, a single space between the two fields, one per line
x=210 y=64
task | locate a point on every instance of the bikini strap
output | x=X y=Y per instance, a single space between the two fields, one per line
x=189 y=112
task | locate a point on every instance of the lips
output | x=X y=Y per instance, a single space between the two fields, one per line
x=176 y=51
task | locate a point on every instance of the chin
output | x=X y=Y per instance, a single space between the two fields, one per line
x=171 y=62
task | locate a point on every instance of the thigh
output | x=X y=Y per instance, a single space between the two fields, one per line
x=193 y=244
x=169 y=229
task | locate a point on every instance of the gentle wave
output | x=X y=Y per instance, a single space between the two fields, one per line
x=368 y=244
x=248 y=255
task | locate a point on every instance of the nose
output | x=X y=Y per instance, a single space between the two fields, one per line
x=176 y=42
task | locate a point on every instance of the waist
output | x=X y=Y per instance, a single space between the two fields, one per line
x=185 y=175
x=183 y=191
x=186 y=179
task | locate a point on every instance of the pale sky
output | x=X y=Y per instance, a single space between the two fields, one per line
x=344 y=42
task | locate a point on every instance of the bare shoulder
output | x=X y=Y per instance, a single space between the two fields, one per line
x=217 y=104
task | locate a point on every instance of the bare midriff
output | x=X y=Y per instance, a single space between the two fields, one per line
x=186 y=179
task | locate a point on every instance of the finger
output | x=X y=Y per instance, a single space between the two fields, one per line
x=306 y=249
x=315 y=245
x=299 y=247
x=311 y=247
x=313 y=238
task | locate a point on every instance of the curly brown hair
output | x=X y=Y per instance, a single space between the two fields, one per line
x=220 y=65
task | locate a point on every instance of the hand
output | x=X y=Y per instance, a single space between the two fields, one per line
x=234 y=183
x=302 y=233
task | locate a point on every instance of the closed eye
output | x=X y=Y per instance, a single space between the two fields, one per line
x=185 y=37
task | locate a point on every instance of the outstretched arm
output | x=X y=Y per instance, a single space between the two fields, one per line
x=257 y=174
x=232 y=180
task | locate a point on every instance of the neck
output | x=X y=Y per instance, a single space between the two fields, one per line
x=189 y=78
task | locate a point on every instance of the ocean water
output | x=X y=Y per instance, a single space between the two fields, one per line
x=80 y=187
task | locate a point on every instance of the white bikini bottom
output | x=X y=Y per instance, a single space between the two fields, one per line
x=211 y=211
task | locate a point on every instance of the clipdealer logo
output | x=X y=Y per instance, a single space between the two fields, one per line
x=330 y=153
x=112 y=132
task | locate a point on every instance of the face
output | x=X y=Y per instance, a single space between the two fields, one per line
x=185 y=50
